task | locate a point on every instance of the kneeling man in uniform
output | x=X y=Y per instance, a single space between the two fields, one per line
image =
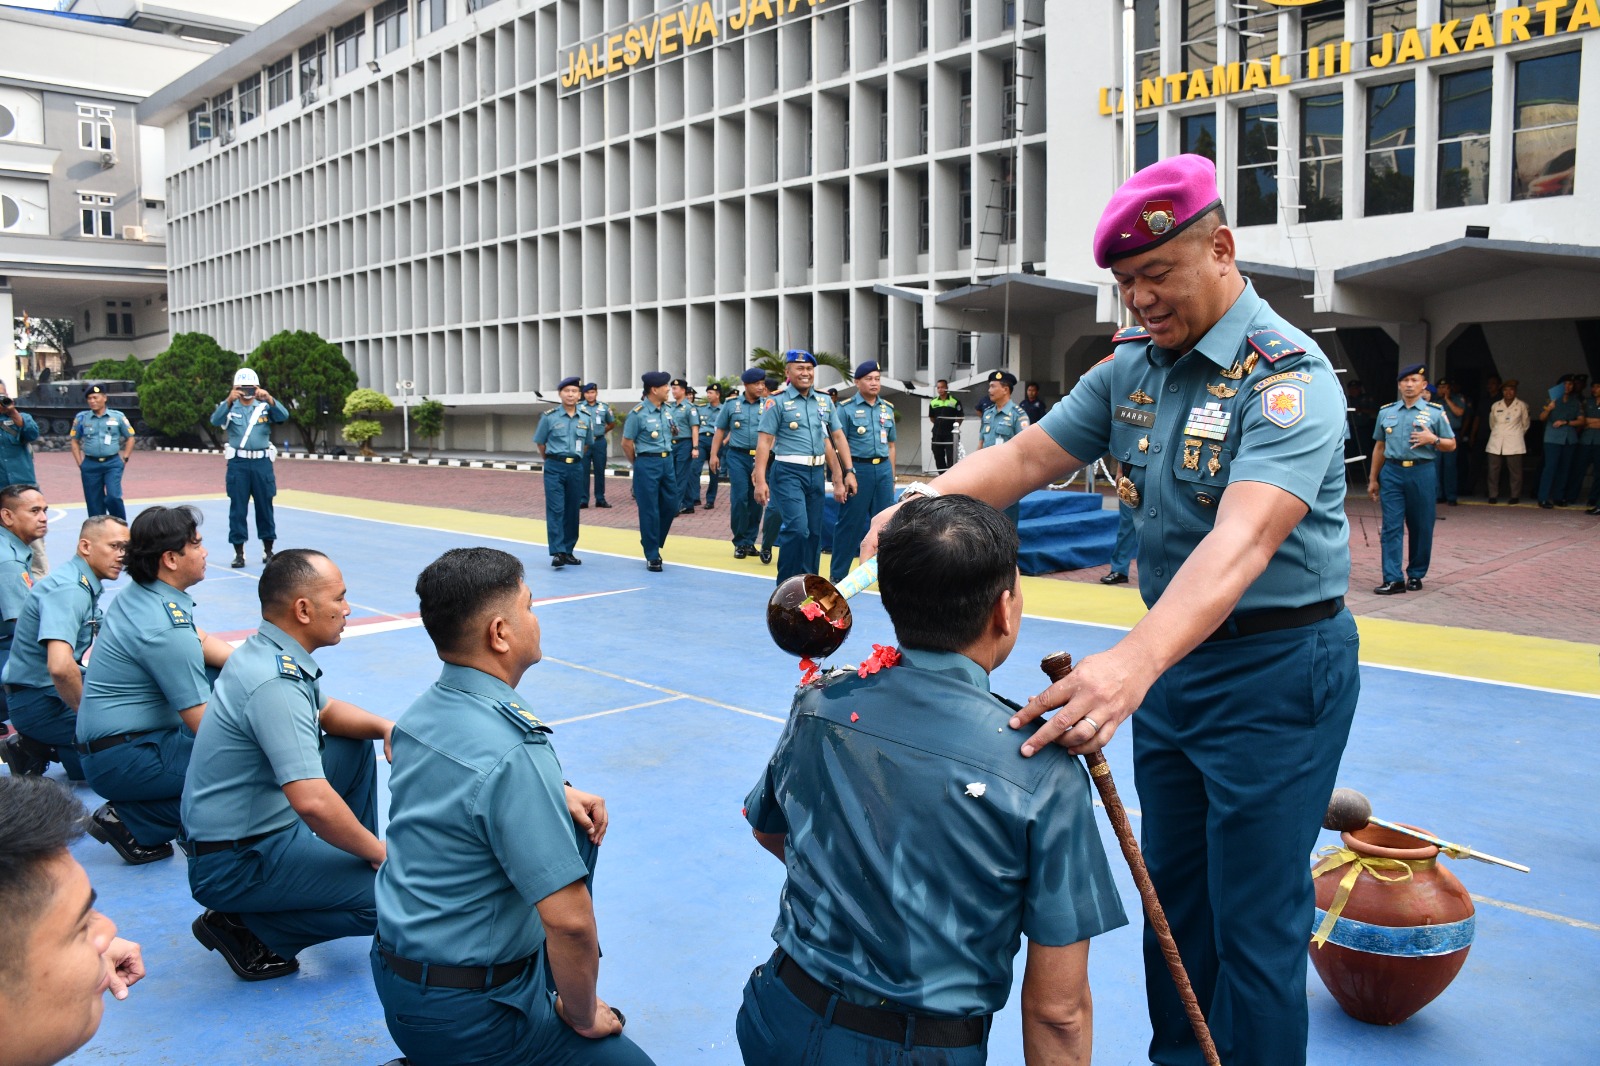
x=919 y=843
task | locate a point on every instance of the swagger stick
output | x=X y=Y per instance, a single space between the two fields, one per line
x=1056 y=667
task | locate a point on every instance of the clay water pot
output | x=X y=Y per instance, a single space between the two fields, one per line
x=1397 y=943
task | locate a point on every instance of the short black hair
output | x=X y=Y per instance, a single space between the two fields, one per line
x=13 y=492
x=456 y=588
x=285 y=578
x=156 y=531
x=942 y=564
x=39 y=819
x=942 y=381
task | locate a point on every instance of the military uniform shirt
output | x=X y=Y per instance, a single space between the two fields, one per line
x=64 y=606
x=740 y=419
x=1591 y=435
x=800 y=424
x=649 y=427
x=261 y=731
x=1256 y=400
x=869 y=427
x=1396 y=423
x=600 y=417
x=479 y=830
x=563 y=434
x=147 y=665
x=1565 y=410
x=249 y=424
x=906 y=789
x=16 y=583
x=1000 y=424
x=16 y=459
x=708 y=413
x=685 y=416
x=101 y=435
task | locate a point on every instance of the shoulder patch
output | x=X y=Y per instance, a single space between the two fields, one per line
x=1436 y=406
x=637 y=409
x=1284 y=404
x=83 y=579
x=1130 y=333
x=177 y=615
x=1291 y=375
x=1272 y=345
x=287 y=667
x=521 y=716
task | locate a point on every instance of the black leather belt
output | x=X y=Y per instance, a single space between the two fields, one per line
x=873 y=462
x=103 y=743
x=655 y=455
x=103 y=458
x=927 y=1030
x=193 y=848
x=562 y=458
x=1256 y=622
x=468 y=977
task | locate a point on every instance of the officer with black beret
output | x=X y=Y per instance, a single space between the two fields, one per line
x=564 y=436
x=647 y=442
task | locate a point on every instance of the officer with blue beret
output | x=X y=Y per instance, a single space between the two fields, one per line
x=58 y=621
x=24 y=520
x=1231 y=422
x=795 y=432
x=685 y=442
x=603 y=419
x=868 y=423
x=564 y=435
x=647 y=444
x=1410 y=435
x=280 y=809
x=147 y=687
x=249 y=412
x=102 y=443
x=1003 y=419
x=484 y=903
x=733 y=448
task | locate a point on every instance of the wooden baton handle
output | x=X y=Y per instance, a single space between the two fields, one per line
x=1056 y=667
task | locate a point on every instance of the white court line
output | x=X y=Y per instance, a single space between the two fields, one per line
x=675 y=693
x=1576 y=923
x=614 y=710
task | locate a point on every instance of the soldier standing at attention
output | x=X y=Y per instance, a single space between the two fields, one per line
x=24 y=519
x=868 y=422
x=603 y=421
x=946 y=413
x=733 y=447
x=1410 y=434
x=795 y=432
x=647 y=443
x=249 y=412
x=102 y=444
x=563 y=437
x=709 y=412
x=1002 y=421
x=685 y=442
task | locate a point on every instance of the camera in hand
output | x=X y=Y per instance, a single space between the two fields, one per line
x=5 y=402
x=247 y=391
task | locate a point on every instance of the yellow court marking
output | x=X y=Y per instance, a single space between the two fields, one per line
x=1505 y=658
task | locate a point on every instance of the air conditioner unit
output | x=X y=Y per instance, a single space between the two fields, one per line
x=108 y=160
x=134 y=233
x=308 y=97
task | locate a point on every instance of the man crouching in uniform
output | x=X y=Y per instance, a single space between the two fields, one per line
x=483 y=906
x=280 y=806
x=919 y=842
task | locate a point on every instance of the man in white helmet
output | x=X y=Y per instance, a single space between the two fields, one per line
x=249 y=413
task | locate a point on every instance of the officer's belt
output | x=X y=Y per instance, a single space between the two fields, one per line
x=873 y=462
x=654 y=455
x=96 y=746
x=1254 y=623
x=239 y=453
x=196 y=848
x=1412 y=462
x=104 y=458
x=468 y=977
x=801 y=460
x=561 y=458
x=926 y=1030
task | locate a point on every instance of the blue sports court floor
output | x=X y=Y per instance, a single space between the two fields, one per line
x=667 y=696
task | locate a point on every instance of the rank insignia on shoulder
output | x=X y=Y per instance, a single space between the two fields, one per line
x=177 y=614
x=1272 y=345
x=83 y=579
x=287 y=667
x=637 y=409
x=1436 y=406
x=524 y=717
x=1130 y=333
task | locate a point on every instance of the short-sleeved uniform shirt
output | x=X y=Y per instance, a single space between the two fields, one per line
x=868 y=426
x=249 y=425
x=1255 y=400
x=16 y=584
x=1398 y=420
x=147 y=666
x=685 y=418
x=64 y=606
x=800 y=424
x=1000 y=424
x=921 y=844
x=740 y=419
x=1591 y=409
x=16 y=458
x=479 y=830
x=649 y=427
x=101 y=435
x=600 y=417
x=563 y=434
x=262 y=730
x=1566 y=410
x=709 y=413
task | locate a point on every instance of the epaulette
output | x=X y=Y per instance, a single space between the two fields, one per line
x=83 y=579
x=1436 y=406
x=637 y=409
x=1130 y=333
x=287 y=667
x=1391 y=403
x=1272 y=345
x=177 y=615
x=1107 y=359
x=521 y=716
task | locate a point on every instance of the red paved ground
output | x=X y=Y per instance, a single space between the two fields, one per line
x=1513 y=569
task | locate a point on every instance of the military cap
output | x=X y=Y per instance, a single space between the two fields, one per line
x=1006 y=378
x=678 y=383
x=1155 y=205
x=94 y=390
x=591 y=387
x=753 y=375
x=799 y=355
x=869 y=367
x=1414 y=368
x=654 y=379
x=573 y=381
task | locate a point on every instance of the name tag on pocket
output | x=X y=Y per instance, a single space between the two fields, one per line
x=1135 y=417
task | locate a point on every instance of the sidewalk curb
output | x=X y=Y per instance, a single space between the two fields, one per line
x=473 y=464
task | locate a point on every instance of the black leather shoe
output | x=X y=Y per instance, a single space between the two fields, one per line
x=766 y=555
x=238 y=557
x=572 y=560
x=1593 y=510
x=740 y=553
x=583 y=507
x=243 y=951
x=602 y=503
x=1493 y=499
x=107 y=828
x=1514 y=500
x=1114 y=578
x=712 y=506
x=558 y=561
x=686 y=510
x=266 y=552
x=25 y=757
x=1413 y=584
x=653 y=565
x=1547 y=505
x=1390 y=588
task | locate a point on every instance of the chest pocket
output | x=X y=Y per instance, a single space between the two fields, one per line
x=1200 y=471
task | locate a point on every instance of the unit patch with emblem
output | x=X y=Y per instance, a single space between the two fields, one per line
x=1284 y=404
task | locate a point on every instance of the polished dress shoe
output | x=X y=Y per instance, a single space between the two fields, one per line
x=1593 y=510
x=558 y=561
x=572 y=560
x=107 y=828
x=25 y=757
x=740 y=552
x=1413 y=584
x=583 y=507
x=238 y=557
x=1514 y=500
x=1546 y=505
x=1114 y=578
x=1390 y=588
x=1493 y=499
x=766 y=555
x=687 y=510
x=653 y=565
x=243 y=951
x=266 y=552
x=602 y=503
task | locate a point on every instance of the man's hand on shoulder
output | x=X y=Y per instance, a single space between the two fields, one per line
x=1102 y=689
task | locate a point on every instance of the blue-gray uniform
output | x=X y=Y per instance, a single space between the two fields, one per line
x=16 y=582
x=869 y=427
x=249 y=852
x=479 y=833
x=250 y=474
x=1560 y=447
x=799 y=424
x=1236 y=746
x=919 y=846
x=738 y=420
x=685 y=424
x=655 y=488
x=64 y=605
x=602 y=420
x=708 y=414
x=1001 y=424
x=148 y=665
x=566 y=439
x=1588 y=455
x=1408 y=486
x=1450 y=461
x=101 y=436
x=16 y=458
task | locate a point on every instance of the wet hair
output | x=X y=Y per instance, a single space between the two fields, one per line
x=39 y=819
x=942 y=564
x=458 y=588
x=285 y=578
x=156 y=531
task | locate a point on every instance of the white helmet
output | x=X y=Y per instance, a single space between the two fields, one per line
x=245 y=376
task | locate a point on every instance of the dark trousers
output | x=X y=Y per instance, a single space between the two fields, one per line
x=564 y=483
x=682 y=463
x=1235 y=751
x=293 y=889
x=655 y=490
x=771 y=524
x=102 y=486
x=39 y=714
x=247 y=480
x=1127 y=541
x=143 y=779
x=1449 y=479
x=696 y=466
x=797 y=494
x=1585 y=459
x=944 y=454
x=1407 y=494
x=1557 y=465
x=595 y=464
x=744 y=519
x=874 y=493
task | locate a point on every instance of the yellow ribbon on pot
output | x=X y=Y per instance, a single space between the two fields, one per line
x=1336 y=857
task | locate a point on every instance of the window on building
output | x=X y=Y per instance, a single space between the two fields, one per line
x=883 y=30
x=964 y=205
x=1008 y=99
x=1545 y=143
x=388 y=26
x=1391 y=148
x=1146 y=143
x=1258 y=32
x=1322 y=157
x=199 y=125
x=118 y=323
x=811 y=237
x=966 y=348
x=280 y=82
x=95 y=131
x=1464 y=11
x=430 y=15
x=1258 y=165
x=222 y=116
x=883 y=333
x=924 y=221
x=249 y=98
x=1321 y=24
x=1008 y=200
x=883 y=127
x=964 y=19
x=478 y=5
x=347 y=45
x=1008 y=14
x=964 y=109
x=844 y=324
x=922 y=25
x=844 y=139
x=1146 y=38
x=844 y=223
x=883 y=218
x=1199 y=34
x=95 y=212
x=313 y=65
x=1464 y=111
x=1199 y=133
x=1390 y=16
x=922 y=340
x=922 y=116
